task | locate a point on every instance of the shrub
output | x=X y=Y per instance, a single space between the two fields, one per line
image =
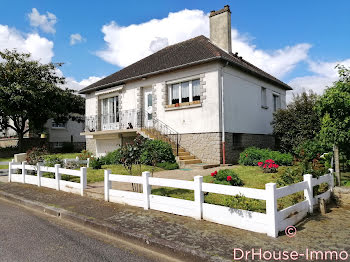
x=85 y=155
x=112 y=158
x=227 y=177
x=251 y=156
x=157 y=151
x=290 y=176
x=269 y=166
x=35 y=155
x=52 y=161
x=242 y=202
x=96 y=163
x=168 y=166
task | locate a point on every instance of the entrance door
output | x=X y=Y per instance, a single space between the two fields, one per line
x=148 y=108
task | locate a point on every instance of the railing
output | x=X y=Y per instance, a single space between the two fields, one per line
x=160 y=130
x=126 y=119
x=271 y=222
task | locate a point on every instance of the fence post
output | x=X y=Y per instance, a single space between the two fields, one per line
x=38 y=173
x=107 y=184
x=88 y=162
x=309 y=193
x=146 y=189
x=83 y=180
x=198 y=196
x=57 y=176
x=271 y=209
x=10 y=170
x=24 y=172
x=331 y=179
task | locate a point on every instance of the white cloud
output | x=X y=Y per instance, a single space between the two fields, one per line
x=40 y=47
x=323 y=75
x=44 y=22
x=128 y=44
x=76 y=38
x=71 y=83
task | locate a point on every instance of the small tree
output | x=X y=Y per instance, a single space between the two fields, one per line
x=334 y=109
x=30 y=95
x=297 y=123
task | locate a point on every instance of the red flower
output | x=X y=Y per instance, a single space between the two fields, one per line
x=212 y=174
x=215 y=172
x=229 y=178
x=270 y=165
x=265 y=166
x=260 y=163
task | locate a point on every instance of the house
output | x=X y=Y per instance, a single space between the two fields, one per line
x=58 y=134
x=206 y=101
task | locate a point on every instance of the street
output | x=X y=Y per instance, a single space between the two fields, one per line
x=25 y=236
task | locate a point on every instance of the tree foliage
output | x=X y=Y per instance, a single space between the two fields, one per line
x=334 y=109
x=30 y=93
x=297 y=123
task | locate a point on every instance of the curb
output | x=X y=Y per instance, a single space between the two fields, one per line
x=158 y=244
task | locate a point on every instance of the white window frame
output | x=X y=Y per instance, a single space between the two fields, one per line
x=170 y=85
x=55 y=125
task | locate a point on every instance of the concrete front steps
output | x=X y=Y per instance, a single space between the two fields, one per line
x=184 y=157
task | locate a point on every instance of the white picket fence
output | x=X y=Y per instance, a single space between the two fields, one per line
x=270 y=223
x=56 y=183
x=77 y=160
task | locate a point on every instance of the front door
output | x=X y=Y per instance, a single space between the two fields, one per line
x=148 y=109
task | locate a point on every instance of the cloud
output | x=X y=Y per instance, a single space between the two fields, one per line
x=71 y=83
x=45 y=22
x=76 y=38
x=323 y=75
x=128 y=44
x=40 y=47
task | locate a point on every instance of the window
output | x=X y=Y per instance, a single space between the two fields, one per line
x=149 y=103
x=183 y=92
x=276 y=102
x=58 y=125
x=109 y=110
x=263 y=98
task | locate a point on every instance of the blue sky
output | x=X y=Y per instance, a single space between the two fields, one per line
x=300 y=42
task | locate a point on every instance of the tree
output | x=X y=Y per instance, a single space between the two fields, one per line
x=334 y=109
x=297 y=123
x=30 y=93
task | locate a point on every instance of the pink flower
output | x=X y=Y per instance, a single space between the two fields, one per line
x=270 y=165
x=265 y=166
x=260 y=163
x=229 y=178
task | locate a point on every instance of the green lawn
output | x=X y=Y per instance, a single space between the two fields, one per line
x=345 y=179
x=7 y=159
x=252 y=177
x=65 y=155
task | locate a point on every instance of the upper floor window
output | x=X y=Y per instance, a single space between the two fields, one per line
x=183 y=92
x=58 y=125
x=263 y=98
x=109 y=110
x=276 y=102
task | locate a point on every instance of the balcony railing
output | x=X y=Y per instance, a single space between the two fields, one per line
x=127 y=119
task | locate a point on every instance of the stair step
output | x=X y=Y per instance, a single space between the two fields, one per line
x=191 y=161
x=188 y=157
x=180 y=150
x=183 y=153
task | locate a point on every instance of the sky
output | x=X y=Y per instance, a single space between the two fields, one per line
x=299 y=42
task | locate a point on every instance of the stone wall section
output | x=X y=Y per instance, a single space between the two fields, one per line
x=91 y=145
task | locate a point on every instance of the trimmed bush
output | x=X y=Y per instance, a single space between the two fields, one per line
x=112 y=158
x=96 y=163
x=252 y=156
x=168 y=166
x=227 y=177
x=53 y=160
x=156 y=151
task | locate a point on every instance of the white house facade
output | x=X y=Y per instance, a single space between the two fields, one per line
x=206 y=101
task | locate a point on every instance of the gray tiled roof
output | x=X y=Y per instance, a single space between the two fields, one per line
x=190 y=52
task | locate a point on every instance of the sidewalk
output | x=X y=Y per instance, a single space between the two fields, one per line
x=182 y=235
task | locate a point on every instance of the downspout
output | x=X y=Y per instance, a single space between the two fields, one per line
x=223 y=117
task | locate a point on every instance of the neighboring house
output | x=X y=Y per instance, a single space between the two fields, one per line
x=206 y=101
x=58 y=134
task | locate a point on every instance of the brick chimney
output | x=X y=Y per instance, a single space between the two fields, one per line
x=220 y=28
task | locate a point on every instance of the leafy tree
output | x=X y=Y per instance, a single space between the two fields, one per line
x=297 y=123
x=30 y=93
x=334 y=109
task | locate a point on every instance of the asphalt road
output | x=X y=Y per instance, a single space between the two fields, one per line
x=25 y=236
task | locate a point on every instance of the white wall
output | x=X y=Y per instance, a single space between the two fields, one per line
x=242 y=100
x=104 y=146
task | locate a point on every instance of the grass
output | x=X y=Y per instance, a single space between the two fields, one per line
x=253 y=177
x=6 y=159
x=65 y=155
x=345 y=179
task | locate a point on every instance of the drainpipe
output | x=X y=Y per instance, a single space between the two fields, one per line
x=223 y=116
